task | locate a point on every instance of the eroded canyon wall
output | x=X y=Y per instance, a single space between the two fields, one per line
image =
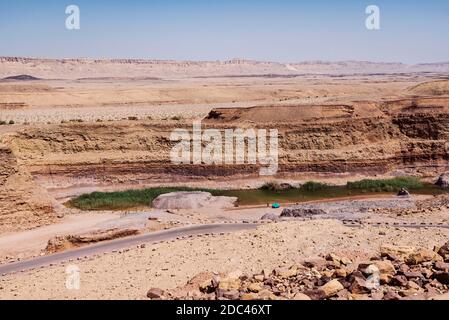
x=23 y=204
x=359 y=138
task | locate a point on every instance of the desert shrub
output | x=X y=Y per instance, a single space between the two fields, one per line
x=11 y=122
x=387 y=185
x=2 y=122
x=133 y=118
x=314 y=186
x=176 y=118
x=271 y=186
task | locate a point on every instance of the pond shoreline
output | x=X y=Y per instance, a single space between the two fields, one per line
x=265 y=196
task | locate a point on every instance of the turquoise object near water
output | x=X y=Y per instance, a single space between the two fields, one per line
x=276 y=205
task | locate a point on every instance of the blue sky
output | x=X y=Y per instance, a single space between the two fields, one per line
x=287 y=31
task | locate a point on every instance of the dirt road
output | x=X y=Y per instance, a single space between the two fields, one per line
x=109 y=246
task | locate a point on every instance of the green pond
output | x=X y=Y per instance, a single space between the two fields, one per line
x=130 y=199
x=260 y=197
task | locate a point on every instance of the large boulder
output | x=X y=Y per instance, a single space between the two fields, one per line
x=331 y=288
x=192 y=200
x=155 y=293
x=403 y=193
x=270 y=216
x=443 y=181
x=444 y=251
x=411 y=255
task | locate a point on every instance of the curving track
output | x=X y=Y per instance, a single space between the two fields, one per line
x=122 y=243
x=171 y=234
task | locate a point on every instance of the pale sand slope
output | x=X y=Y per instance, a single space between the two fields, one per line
x=130 y=274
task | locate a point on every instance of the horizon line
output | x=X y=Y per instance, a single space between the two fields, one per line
x=318 y=61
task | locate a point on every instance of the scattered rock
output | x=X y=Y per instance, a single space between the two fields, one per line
x=207 y=286
x=359 y=286
x=444 y=251
x=391 y=295
x=443 y=266
x=403 y=193
x=443 y=180
x=331 y=288
x=396 y=252
x=255 y=287
x=301 y=212
x=285 y=273
x=385 y=267
x=415 y=274
x=259 y=277
x=356 y=296
x=231 y=294
x=385 y=278
x=340 y=273
x=398 y=281
x=228 y=284
x=317 y=263
x=270 y=216
x=423 y=255
x=300 y=296
x=440 y=297
x=441 y=276
x=155 y=293
x=411 y=255
x=249 y=296
x=315 y=294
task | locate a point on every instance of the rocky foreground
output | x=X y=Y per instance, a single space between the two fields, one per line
x=398 y=273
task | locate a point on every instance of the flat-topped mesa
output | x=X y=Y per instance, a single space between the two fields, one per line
x=97 y=68
x=330 y=113
x=294 y=113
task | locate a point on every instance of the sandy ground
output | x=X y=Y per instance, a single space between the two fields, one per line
x=53 y=101
x=31 y=242
x=129 y=274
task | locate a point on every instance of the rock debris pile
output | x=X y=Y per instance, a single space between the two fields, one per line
x=397 y=273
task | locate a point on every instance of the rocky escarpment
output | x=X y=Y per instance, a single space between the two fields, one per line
x=95 y=68
x=23 y=204
x=360 y=138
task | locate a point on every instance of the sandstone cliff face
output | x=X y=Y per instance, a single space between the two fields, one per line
x=358 y=138
x=23 y=204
